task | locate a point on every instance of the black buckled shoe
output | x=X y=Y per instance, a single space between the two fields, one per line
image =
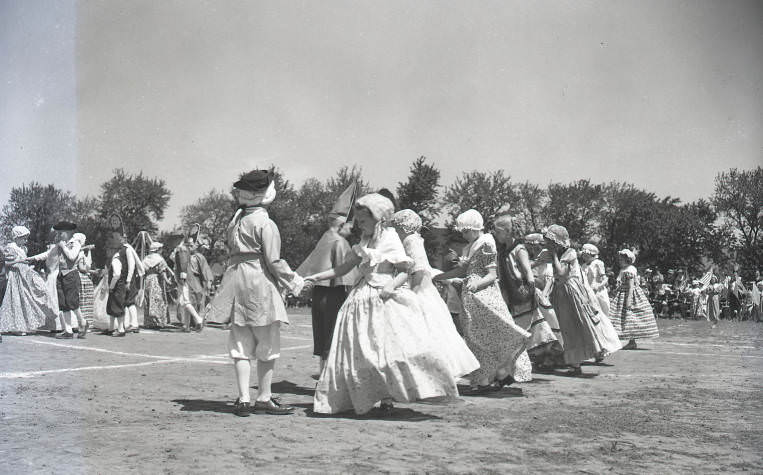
x=242 y=409
x=272 y=407
x=65 y=336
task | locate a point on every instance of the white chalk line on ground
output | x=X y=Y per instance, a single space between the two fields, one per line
x=713 y=355
x=91 y=348
x=31 y=374
x=673 y=376
x=206 y=359
x=702 y=345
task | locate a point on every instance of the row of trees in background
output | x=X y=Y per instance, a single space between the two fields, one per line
x=723 y=230
x=140 y=201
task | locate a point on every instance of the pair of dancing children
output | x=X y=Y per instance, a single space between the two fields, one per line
x=394 y=339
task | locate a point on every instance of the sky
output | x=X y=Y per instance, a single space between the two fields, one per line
x=663 y=94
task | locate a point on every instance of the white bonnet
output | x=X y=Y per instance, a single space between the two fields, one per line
x=469 y=219
x=19 y=231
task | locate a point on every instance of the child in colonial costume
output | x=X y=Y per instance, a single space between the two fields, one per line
x=51 y=258
x=632 y=314
x=597 y=284
x=186 y=270
x=27 y=304
x=250 y=295
x=713 y=292
x=87 y=295
x=552 y=355
x=328 y=296
x=155 y=294
x=199 y=277
x=381 y=350
x=489 y=330
x=596 y=275
x=517 y=285
x=576 y=308
x=117 y=281
x=68 y=253
x=133 y=288
x=438 y=319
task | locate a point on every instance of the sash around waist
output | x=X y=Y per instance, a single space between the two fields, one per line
x=244 y=257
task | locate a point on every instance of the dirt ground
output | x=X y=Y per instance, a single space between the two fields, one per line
x=161 y=402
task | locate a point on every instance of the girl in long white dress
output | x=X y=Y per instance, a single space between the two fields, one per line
x=596 y=283
x=436 y=314
x=381 y=350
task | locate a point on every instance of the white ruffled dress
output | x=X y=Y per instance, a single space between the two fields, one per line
x=381 y=348
x=442 y=331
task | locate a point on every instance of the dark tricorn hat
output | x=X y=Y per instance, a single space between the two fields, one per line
x=64 y=226
x=255 y=180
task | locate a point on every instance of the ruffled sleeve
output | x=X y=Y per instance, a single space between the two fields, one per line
x=13 y=253
x=627 y=276
x=414 y=248
x=485 y=247
x=387 y=249
x=569 y=256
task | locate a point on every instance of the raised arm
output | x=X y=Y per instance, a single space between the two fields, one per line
x=561 y=269
x=71 y=250
x=41 y=256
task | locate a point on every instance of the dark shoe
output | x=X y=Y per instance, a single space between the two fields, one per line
x=478 y=390
x=272 y=407
x=120 y=334
x=242 y=409
x=507 y=381
x=575 y=371
x=65 y=336
x=630 y=346
x=83 y=333
x=135 y=330
x=386 y=408
x=107 y=332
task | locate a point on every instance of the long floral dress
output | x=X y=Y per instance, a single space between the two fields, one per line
x=489 y=330
x=636 y=321
x=155 y=306
x=579 y=314
x=381 y=348
x=27 y=303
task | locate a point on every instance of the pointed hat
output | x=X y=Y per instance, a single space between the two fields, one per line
x=344 y=204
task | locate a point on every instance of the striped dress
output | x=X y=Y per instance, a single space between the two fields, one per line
x=636 y=321
x=86 y=297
